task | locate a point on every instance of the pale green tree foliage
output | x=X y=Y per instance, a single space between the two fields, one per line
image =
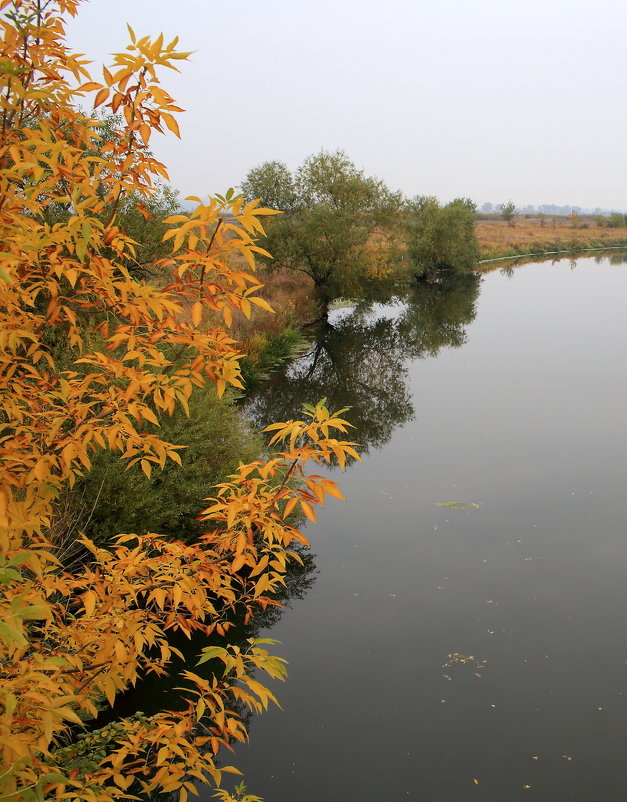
x=333 y=214
x=441 y=237
x=508 y=212
x=273 y=184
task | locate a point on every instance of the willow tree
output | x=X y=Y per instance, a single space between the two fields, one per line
x=334 y=218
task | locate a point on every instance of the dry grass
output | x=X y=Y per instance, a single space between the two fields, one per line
x=496 y=238
x=290 y=293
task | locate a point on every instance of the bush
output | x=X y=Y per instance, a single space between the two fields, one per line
x=441 y=237
x=111 y=499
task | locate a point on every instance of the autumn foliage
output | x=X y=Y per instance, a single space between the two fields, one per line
x=72 y=637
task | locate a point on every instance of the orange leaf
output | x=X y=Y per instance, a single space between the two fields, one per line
x=308 y=510
x=171 y=123
x=101 y=97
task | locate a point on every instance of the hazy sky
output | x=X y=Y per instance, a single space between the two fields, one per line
x=487 y=99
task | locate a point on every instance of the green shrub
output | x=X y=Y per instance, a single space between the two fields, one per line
x=111 y=500
x=441 y=237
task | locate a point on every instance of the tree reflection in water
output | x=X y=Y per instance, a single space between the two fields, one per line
x=360 y=356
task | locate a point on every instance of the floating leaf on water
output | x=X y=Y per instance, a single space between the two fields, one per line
x=458 y=505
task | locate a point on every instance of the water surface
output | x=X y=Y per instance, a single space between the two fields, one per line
x=510 y=393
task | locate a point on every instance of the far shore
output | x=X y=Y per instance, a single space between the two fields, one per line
x=536 y=237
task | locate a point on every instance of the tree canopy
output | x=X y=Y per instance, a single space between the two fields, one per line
x=508 y=212
x=441 y=237
x=332 y=216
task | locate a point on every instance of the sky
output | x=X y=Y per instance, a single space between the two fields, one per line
x=491 y=99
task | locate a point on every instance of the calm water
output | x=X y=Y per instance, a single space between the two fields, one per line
x=510 y=393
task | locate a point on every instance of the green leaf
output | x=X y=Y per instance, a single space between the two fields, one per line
x=12 y=636
x=9 y=575
x=34 y=612
x=211 y=652
x=257 y=641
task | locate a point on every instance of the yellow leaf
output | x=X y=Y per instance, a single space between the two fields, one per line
x=333 y=490
x=101 y=97
x=308 y=510
x=67 y=713
x=89 y=599
x=197 y=313
x=90 y=86
x=260 y=302
x=162 y=754
x=150 y=415
x=172 y=124
x=290 y=506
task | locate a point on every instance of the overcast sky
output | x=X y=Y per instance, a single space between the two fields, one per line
x=490 y=99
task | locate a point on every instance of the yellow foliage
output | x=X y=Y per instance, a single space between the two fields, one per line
x=70 y=639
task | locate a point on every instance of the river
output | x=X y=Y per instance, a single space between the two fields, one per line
x=466 y=635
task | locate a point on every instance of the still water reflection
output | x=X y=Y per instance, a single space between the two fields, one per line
x=362 y=357
x=513 y=399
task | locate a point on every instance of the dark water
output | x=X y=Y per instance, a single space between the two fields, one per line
x=510 y=393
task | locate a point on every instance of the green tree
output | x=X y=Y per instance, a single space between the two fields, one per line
x=273 y=184
x=441 y=237
x=332 y=209
x=508 y=211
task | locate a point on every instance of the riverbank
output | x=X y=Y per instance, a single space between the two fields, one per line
x=270 y=340
x=537 y=237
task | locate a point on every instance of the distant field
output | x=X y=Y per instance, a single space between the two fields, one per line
x=496 y=238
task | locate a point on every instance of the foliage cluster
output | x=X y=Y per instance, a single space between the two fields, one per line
x=441 y=237
x=347 y=231
x=92 y=359
x=110 y=499
x=508 y=212
x=331 y=210
x=617 y=220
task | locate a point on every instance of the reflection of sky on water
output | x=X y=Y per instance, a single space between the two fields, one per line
x=374 y=311
x=526 y=419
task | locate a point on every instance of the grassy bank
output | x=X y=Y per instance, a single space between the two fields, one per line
x=267 y=340
x=535 y=236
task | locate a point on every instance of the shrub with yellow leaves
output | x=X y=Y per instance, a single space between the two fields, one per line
x=72 y=638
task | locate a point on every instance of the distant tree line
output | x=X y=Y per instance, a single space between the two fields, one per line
x=547 y=208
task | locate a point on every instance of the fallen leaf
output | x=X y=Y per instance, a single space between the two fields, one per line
x=458 y=505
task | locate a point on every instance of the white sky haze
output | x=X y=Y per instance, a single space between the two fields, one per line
x=489 y=99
